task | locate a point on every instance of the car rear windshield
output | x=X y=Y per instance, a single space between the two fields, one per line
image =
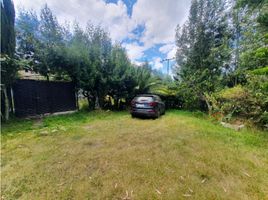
x=145 y=99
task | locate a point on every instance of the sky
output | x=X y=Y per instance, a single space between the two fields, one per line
x=145 y=28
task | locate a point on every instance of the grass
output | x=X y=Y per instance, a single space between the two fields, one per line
x=105 y=155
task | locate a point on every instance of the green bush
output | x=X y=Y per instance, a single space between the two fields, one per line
x=234 y=101
x=249 y=101
x=264 y=119
x=235 y=93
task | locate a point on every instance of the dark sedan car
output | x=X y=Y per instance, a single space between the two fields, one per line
x=147 y=105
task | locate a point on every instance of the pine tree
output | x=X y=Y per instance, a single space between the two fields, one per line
x=202 y=49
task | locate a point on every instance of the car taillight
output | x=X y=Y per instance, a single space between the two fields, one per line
x=133 y=102
x=152 y=104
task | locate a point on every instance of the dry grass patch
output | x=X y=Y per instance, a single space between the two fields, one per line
x=112 y=156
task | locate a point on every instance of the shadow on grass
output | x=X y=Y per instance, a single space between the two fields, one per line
x=144 y=118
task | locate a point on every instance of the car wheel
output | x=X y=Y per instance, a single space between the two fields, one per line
x=132 y=115
x=158 y=113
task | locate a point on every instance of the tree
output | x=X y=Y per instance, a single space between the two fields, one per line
x=99 y=44
x=28 y=38
x=255 y=51
x=203 y=49
x=41 y=40
x=243 y=90
x=8 y=64
x=120 y=81
x=51 y=40
x=145 y=79
x=7 y=28
x=85 y=56
x=79 y=65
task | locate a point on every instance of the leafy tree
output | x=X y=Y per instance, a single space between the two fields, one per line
x=7 y=28
x=8 y=64
x=40 y=40
x=28 y=38
x=247 y=96
x=203 y=49
x=51 y=40
x=87 y=57
x=100 y=47
x=79 y=64
x=120 y=81
x=145 y=79
x=253 y=47
x=50 y=30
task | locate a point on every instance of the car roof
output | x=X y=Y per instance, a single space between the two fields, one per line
x=147 y=95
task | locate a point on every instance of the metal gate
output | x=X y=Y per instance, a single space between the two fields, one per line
x=32 y=97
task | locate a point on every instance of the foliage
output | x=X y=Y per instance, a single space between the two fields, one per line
x=7 y=28
x=121 y=80
x=9 y=67
x=251 y=3
x=254 y=51
x=237 y=92
x=41 y=41
x=249 y=101
x=202 y=51
x=8 y=63
x=85 y=56
x=221 y=61
x=261 y=71
x=145 y=80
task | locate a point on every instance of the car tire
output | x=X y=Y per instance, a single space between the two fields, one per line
x=158 y=114
x=132 y=115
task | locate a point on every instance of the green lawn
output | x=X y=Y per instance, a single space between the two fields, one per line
x=105 y=155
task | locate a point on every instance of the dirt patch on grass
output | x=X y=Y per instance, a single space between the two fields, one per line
x=92 y=144
x=38 y=122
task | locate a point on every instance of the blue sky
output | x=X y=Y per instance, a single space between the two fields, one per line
x=145 y=28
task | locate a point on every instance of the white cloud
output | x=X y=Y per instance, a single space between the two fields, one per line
x=111 y=16
x=138 y=63
x=172 y=52
x=156 y=63
x=166 y=48
x=169 y=49
x=159 y=18
x=135 y=51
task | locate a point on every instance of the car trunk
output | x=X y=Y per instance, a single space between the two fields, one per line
x=143 y=103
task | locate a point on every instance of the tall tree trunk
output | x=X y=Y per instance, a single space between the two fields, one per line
x=10 y=98
x=6 y=103
x=115 y=106
x=77 y=99
x=91 y=102
x=210 y=107
x=97 y=102
x=237 y=46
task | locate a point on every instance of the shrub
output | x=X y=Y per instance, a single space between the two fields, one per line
x=237 y=92
x=249 y=101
